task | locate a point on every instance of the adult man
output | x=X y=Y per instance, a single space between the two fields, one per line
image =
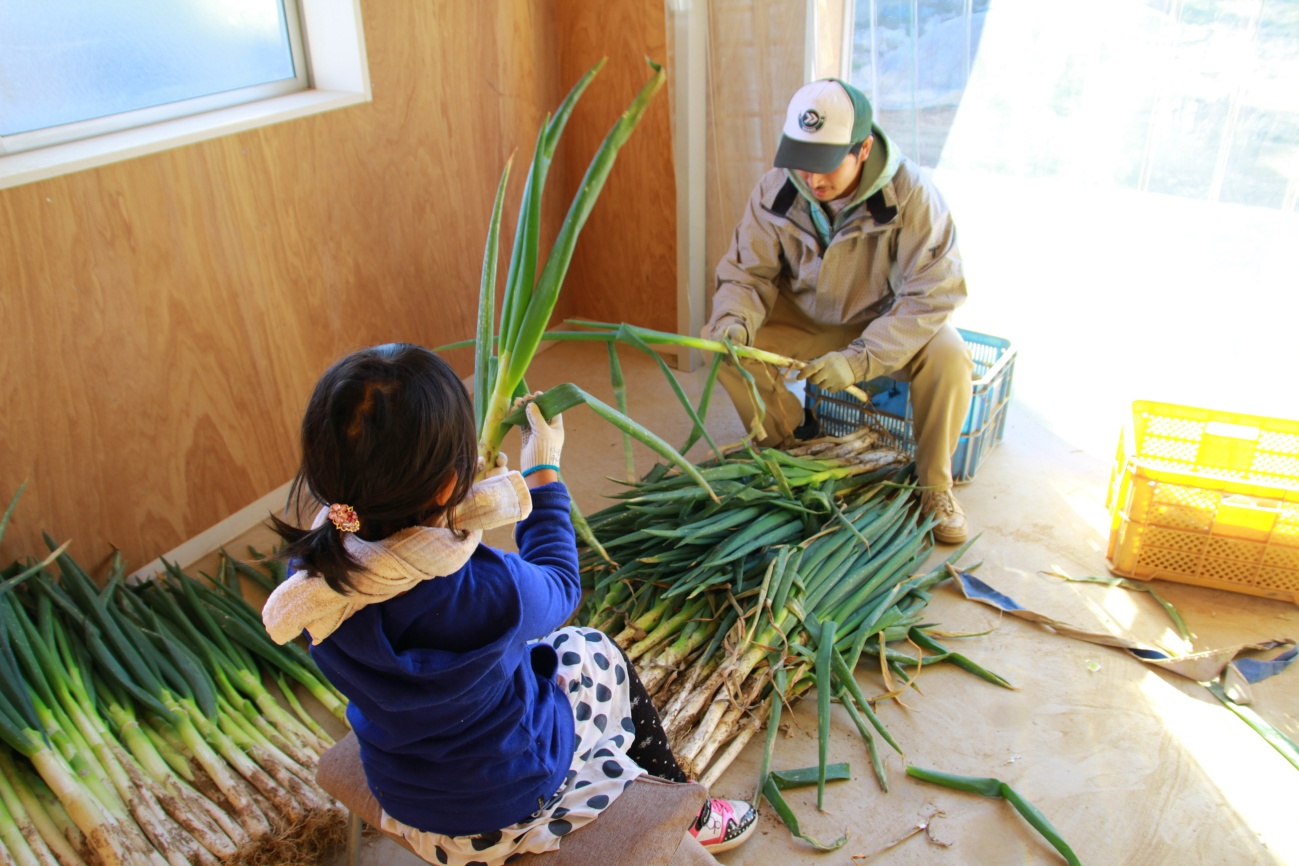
x=846 y=257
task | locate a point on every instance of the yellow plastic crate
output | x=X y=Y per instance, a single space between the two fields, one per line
x=1208 y=498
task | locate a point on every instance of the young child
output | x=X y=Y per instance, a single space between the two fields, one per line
x=485 y=729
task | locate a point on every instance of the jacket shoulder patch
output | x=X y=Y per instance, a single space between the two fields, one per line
x=880 y=211
x=785 y=199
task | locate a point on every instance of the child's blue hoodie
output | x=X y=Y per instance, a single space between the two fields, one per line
x=462 y=726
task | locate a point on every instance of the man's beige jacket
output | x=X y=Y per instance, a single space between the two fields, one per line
x=887 y=263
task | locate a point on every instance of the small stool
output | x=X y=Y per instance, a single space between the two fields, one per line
x=643 y=826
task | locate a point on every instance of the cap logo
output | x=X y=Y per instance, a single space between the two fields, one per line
x=811 y=120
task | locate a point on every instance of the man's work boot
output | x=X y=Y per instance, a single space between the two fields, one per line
x=951 y=527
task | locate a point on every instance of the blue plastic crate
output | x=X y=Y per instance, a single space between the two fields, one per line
x=985 y=424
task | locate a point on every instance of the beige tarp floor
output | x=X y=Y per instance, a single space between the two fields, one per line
x=1132 y=765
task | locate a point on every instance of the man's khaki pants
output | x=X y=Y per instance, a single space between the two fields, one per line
x=941 y=377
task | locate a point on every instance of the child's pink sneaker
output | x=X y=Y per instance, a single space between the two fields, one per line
x=724 y=824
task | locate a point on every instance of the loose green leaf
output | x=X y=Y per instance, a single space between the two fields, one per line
x=772 y=793
x=926 y=642
x=1265 y=729
x=997 y=788
x=786 y=779
x=1135 y=586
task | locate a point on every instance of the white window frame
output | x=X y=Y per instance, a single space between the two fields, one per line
x=817 y=62
x=338 y=76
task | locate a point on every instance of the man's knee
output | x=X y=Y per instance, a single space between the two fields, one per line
x=948 y=355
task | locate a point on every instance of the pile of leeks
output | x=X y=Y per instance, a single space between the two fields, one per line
x=733 y=607
x=136 y=725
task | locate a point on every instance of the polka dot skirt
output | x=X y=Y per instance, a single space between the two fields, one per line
x=593 y=675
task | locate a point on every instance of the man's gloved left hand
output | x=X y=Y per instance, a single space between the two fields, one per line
x=830 y=372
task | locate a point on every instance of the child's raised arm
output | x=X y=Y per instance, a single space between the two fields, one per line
x=546 y=539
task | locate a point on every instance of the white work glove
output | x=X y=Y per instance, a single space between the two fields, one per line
x=735 y=332
x=830 y=372
x=502 y=466
x=542 y=440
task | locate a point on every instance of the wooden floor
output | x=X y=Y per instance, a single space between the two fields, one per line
x=1131 y=765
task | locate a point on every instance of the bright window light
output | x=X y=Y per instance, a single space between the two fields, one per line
x=84 y=82
x=1125 y=178
x=77 y=68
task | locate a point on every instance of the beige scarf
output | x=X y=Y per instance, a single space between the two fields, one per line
x=395 y=564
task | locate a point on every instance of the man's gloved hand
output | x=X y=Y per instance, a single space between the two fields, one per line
x=735 y=332
x=830 y=372
x=542 y=441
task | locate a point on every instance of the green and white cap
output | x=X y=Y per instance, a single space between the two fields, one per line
x=824 y=119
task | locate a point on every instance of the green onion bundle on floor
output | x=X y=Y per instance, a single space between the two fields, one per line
x=137 y=726
x=804 y=562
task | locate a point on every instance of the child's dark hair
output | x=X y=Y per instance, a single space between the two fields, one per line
x=385 y=430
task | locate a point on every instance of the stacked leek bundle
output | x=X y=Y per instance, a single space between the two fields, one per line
x=136 y=726
x=731 y=607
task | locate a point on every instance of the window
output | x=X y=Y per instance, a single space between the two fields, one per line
x=84 y=82
x=914 y=61
x=1125 y=178
x=1192 y=98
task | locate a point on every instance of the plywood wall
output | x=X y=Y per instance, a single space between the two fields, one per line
x=165 y=317
x=625 y=269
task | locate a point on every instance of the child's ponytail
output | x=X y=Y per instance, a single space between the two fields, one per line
x=320 y=549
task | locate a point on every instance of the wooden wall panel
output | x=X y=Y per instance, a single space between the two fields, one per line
x=624 y=267
x=165 y=317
